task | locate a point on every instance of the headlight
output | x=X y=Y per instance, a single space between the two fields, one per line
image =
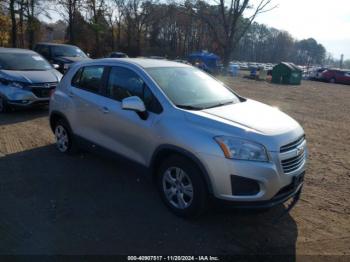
x=16 y=84
x=11 y=83
x=235 y=148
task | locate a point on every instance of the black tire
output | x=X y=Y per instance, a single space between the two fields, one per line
x=332 y=80
x=199 y=201
x=4 y=107
x=69 y=147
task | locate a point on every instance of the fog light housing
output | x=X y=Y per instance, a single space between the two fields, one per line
x=242 y=186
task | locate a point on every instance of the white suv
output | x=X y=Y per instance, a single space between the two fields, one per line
x=196 y=136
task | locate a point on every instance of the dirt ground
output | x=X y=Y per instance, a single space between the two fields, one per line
x=89 y=204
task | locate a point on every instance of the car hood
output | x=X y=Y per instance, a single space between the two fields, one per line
x=255 y=115
x=249 y=120
x=32 y=76
x=70 y=59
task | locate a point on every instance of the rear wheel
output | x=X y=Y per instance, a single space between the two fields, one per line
x=182 y=187
x=64 y=137
x=4 y=107
x=332 y=80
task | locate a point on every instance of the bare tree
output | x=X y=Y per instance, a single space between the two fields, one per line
x=137 y=14
x=227 y=23
x=114 y=15
x=96 y=10
x=69 y=11
x=119 y=14
x=34 y=8
x=13 y=22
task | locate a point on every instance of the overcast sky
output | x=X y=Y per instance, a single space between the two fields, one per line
x=326 y=21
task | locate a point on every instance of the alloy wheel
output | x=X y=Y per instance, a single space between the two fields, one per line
x=177 y=187
x=62 y=139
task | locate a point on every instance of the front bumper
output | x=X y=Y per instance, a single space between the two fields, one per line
x=291 y=191
x=274 y=184
x=26 y=98
x=27 y=103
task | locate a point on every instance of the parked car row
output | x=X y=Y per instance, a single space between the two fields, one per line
x=28 y=78
x=251 y=65
x=331 y=75
x=336 y=76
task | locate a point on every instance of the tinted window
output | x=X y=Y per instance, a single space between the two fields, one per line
x=151 y=101
x=23 y=62
x=43 y=50
x=71 y=51
x=76 y=78
x=89 y=78
x=124 y=82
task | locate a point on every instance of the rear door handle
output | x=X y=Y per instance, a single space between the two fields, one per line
x=105 y=110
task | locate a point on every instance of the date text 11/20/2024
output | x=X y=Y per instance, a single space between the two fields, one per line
x=173 y=258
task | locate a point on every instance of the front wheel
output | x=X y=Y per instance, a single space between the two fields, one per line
x=64 y=138
x=332 y=80
x=182 y=187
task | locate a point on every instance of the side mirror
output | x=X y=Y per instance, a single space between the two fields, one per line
x=134 y=103
x=56 y=66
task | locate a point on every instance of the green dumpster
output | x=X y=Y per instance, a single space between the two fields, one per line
x=286 y=73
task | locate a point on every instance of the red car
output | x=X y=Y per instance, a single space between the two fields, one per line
x=336 y=76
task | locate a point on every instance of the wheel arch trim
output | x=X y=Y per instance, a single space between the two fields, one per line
x=172 y=149
x=60 y=115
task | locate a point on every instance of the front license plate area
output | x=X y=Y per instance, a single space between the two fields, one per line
x=297 y=180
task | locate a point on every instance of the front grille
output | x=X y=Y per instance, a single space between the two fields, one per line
x=42 y=90
x=292 y=145
x=43 y=85
x=291 y=164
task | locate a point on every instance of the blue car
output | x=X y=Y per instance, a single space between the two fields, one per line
x=26 y=79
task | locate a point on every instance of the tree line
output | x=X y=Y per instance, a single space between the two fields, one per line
x=172 y=29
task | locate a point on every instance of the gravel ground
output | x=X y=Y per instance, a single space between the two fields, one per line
x=89 y=204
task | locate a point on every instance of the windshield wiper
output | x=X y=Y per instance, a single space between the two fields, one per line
x=189 y=107
x=220 y=104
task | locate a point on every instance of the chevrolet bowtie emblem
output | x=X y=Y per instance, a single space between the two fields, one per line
x=300 y=150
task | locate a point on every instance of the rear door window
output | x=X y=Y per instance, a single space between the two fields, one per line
x=89 y=78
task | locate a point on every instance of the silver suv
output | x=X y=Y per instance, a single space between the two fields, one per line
x=196 y=136
x=26 y=79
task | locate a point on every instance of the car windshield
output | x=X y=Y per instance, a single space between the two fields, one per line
x=191 y=88
x=71 y=51
x=23 y=62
